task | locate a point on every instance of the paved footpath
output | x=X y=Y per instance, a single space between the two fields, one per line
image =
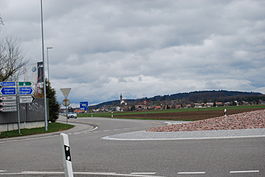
x=182 y=135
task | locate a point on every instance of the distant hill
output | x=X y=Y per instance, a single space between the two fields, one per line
x=203 y=96
x=194 y=97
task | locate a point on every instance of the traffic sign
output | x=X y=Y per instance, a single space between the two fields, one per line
x=66 y=102
x=7 y=84
x=65 y=91
x=9 y=103
x=20 y=84
x=26 y=99
x=8 y=109
x=84 y=105
x=8 y=98
x=25 y=90
x=8 y=90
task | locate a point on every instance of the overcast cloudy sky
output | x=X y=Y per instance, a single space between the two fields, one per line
x=143 y=48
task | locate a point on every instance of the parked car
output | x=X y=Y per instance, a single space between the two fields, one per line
x=71 y=115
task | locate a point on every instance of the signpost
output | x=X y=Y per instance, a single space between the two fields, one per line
x=66 y=101
x=20 y=84
x=25 y=90
x=8 y=91
x=10 y=99
x=26 y=99
x=8 y=109
x=65 y=91
x=9 y=103
x=84 y=105
x=8 y=84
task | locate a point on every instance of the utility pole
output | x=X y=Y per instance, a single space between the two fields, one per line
x=44 y=78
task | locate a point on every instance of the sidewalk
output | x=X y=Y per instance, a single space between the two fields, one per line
x=186 y=135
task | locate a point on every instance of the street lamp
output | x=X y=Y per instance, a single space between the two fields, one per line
x=48 y=62
x=44 y=78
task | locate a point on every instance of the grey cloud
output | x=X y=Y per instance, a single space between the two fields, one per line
x=144 y=48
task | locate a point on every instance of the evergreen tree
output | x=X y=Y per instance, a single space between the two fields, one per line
x=54 y=107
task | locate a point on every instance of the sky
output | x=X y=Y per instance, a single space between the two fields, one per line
x=142 y=48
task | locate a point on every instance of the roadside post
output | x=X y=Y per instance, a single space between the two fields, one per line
x=225 y=112
x=67 y=160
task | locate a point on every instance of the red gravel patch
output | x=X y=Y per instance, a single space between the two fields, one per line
x=246 y=120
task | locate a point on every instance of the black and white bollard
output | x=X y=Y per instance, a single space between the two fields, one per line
x=225 y=112
x=67 y=160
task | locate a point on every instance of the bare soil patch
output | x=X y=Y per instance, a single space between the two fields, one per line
x=192 y=115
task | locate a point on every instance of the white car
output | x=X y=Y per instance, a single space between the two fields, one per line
x=71 y=115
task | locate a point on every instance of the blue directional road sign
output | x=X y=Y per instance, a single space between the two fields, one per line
x=8 y=90
x=84 y=105
x=8 y=84
x=25 y=90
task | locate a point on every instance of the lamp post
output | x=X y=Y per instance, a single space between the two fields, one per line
x=48 y=62
x=44 y=78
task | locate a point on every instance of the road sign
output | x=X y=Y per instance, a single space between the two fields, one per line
x=26 y=99
x=25 y=90
x=20 y=84
x=66 y=102
x=65 y=91
x=7 y=84
x=8 y=98
x=84 y=105
x=8 y=90
x=9 y=103
x=8 y=109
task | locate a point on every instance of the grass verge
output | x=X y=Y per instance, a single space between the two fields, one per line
x=53 y=127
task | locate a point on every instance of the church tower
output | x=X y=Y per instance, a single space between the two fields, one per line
x=121 y=99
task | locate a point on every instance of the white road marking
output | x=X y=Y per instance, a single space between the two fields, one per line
x=1 y=171
x=28 y=139
x=244 y=171
x=143 y=173
x=79 y=173
x=192 y=173
x=106 y=130
x=41 y=172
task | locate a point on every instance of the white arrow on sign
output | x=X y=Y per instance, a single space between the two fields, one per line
x=8 y=109
x=26 y=99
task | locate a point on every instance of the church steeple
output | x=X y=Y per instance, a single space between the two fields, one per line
x=121 y=98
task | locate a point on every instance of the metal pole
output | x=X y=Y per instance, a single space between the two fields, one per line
x=48 y=70
x=44 y=78
x=18 y=111
x=48 y=64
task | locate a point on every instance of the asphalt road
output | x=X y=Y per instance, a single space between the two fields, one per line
x=93 y=156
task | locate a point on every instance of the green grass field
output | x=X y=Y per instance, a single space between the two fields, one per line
x=53 y=127
x=108 y=114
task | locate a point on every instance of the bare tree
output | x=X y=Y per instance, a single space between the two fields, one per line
x=11 y=59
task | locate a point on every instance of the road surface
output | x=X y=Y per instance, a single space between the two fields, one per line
x=96 y=157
